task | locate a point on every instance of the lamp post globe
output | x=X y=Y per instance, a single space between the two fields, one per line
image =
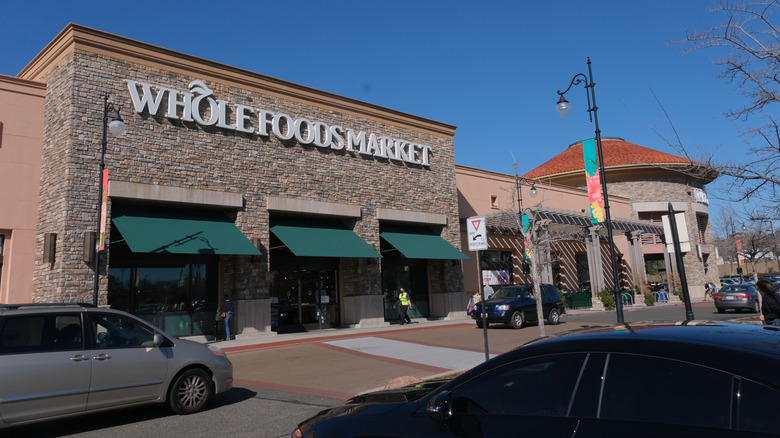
x=563 y=107
x=117 y=127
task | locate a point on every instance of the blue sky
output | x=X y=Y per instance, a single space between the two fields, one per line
x=491 y=68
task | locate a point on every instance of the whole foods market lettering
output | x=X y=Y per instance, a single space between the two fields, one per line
x=199 y=106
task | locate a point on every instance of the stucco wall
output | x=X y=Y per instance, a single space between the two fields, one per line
x=21 y=115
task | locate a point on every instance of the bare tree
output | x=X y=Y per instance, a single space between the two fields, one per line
x=750 y=42
x=756 y=244
x=539 y=239
x=749 y=236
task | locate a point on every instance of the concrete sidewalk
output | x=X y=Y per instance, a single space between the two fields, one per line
x=248 y=341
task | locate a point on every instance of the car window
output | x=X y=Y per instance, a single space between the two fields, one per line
x=41 y=332
x=658 y=390
x=549 y=293
x=757 y=408
x=116 y=331
x=506 y=292
x=540 y=386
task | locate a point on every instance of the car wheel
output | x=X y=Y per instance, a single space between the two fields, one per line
x=756 y=307
x=190 y=392
x=721 y=310
x=517 y=320
x=554 y=317
x=479 y=323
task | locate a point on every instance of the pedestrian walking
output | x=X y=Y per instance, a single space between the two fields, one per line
x=404 y=303
x=227 y=314
x=709 y=289
x=770 y=302
x=488 y=290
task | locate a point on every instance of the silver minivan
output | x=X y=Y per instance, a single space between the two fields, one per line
x=60 y=360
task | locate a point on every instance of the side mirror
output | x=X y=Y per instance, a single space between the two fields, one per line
x=440 y=410
x=158 y=340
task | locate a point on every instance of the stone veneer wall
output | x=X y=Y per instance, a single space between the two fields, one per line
x=664 y=190
x=156 y=150
x=67 y=206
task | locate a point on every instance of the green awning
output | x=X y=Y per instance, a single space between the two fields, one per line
x=173 y=231
x=419 y=243
x=321 y=238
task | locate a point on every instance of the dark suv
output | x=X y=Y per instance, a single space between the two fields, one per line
x=514 y=305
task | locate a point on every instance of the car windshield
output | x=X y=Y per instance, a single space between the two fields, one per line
x=511 y=292
x=735 y=289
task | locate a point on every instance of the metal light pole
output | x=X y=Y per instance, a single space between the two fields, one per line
x=533 y=192
x=563 y=108
x=117 y=127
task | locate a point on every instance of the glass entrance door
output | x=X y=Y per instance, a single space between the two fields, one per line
x=304 y=299
x=411 y=275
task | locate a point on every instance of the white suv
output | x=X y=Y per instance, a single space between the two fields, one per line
x=60 y=360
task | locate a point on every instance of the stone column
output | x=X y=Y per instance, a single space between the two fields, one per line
x=638 y=266
x=595 y=265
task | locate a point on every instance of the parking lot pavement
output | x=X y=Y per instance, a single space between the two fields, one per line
x=339 y=363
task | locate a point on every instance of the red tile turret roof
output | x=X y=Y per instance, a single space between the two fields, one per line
x=617 y=153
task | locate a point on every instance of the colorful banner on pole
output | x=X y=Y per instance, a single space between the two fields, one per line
x=740 y=255
x=103 y=210
x=593 y=179
x=527 y=233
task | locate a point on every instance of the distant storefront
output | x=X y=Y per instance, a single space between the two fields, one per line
x=308 y=209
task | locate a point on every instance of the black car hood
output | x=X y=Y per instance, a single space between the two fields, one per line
x=500 y=301
x=404 y=394
x=377 y=402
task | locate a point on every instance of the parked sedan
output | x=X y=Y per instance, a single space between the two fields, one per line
x=60 y=360
x=737 y=297
x=638 y=380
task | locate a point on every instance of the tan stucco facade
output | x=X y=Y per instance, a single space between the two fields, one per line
x=21 y=140
x=482 y=193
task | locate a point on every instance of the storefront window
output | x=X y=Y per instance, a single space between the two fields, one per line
x=174 y=298
x=497 y=267
x=583 y=274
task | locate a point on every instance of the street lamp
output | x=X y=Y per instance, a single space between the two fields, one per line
x=564 y=108
x=533 y=192
x=117 y=128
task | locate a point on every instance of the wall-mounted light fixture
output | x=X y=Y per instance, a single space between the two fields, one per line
x=49 y=247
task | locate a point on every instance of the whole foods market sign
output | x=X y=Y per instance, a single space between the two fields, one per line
x=198 y=105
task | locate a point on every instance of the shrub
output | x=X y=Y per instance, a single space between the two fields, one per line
x=679 y=294
x=607 y=299
x=649 y=300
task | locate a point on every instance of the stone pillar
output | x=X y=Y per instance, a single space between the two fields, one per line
x=639 y=276
x=595 y=265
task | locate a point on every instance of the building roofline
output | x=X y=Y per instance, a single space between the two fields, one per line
x=76 y=37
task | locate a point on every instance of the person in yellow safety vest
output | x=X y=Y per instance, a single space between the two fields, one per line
x=404 y=302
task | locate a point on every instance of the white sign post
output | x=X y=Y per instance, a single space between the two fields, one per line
x=477 y=233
